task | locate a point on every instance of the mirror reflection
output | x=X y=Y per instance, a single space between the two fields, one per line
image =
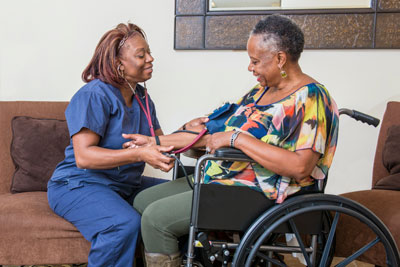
x=225 y=5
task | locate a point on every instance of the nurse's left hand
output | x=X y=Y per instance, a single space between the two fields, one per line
x=196 y=125
x=137 y=140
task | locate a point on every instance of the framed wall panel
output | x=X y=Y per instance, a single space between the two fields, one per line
x=197 y=28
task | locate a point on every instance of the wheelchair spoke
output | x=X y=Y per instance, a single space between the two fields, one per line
x=268 y=259
x=328 y=244
x=300 y=241
x=358 y=253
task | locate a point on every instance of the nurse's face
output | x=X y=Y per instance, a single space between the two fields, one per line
x=136 y=59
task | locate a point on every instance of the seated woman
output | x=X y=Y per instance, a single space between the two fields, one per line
x=94 y=186
x=288 y=124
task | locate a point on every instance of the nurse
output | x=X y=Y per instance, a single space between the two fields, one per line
x=94 y=186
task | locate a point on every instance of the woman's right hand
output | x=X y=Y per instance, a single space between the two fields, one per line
x=137 y=140
x=154 y=156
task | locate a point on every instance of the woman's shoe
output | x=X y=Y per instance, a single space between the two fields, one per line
x=162 y=260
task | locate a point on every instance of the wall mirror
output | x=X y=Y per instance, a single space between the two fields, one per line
x=327 y=24
x=225 y=5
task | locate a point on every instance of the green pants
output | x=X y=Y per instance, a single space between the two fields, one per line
x=165 y=210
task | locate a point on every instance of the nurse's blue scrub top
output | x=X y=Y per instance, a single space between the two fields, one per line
x=101 y=108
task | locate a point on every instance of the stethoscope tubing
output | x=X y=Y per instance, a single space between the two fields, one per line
x=146 y=111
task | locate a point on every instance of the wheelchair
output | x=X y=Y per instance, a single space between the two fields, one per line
x=257 y=232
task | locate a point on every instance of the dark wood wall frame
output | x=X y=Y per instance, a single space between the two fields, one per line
x=196 y=28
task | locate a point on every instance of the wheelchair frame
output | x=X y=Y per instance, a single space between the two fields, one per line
x=252 y=244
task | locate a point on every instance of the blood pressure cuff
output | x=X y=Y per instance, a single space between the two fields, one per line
x=219 y=116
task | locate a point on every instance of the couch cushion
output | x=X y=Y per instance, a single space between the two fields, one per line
x=391 y=160
x=351 y=235
x=31 y=233
x=37 y=147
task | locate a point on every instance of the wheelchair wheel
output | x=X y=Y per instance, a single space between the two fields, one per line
x=260 y=243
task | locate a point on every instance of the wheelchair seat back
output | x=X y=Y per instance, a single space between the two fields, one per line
x=235 y=208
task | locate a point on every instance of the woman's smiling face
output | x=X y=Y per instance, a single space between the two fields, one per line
x=263 y=61
x=136 y=59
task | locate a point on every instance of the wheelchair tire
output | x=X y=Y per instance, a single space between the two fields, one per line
x=254 y=244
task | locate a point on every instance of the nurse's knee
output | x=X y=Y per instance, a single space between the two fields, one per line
x=128 y=224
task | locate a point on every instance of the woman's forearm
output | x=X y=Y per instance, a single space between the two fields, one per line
x=179 y=140
x=297 y=165
x=95 y=157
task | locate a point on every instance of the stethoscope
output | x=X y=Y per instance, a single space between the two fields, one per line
x=146 y=110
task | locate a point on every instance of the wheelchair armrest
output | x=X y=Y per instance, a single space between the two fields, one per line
x=227 y=152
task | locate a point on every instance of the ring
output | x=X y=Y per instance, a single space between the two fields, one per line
x=208 y=150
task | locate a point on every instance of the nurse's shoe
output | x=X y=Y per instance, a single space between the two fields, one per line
x=163 y=260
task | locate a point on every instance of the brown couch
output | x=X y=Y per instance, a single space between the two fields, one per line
x=30 y=233
x=384 y=197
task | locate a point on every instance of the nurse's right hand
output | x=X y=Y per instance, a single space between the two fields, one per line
x=153 y=156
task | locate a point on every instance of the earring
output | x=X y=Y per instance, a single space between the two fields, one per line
x=283 y=74
x=120 y=72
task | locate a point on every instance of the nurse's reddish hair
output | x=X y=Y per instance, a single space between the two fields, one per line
x=104 y=63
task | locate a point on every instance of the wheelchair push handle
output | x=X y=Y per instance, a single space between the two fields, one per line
x=359 y=116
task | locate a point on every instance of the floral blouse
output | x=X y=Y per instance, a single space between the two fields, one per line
x=306 y=119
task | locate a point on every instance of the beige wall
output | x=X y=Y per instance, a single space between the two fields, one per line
x=45 y=44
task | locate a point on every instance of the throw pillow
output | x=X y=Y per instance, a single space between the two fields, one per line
x=37 y=147
x=391 y=160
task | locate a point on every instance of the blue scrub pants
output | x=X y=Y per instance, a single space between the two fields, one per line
x=103 y=217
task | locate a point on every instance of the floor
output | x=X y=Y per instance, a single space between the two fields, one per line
x=291 y=261
x=294 y=262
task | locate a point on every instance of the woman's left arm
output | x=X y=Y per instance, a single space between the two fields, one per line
x=177 y=140
x=297 y=165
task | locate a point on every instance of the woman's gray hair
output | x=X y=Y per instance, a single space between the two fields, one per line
x=281 y=34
